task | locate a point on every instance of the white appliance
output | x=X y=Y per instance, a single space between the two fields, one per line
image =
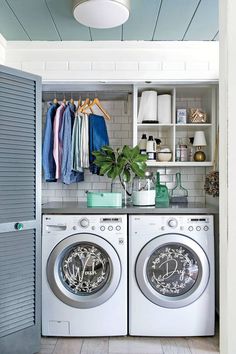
x=84 y=275
x=171 y=286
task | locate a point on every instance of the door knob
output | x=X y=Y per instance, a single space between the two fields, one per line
x=19 y=226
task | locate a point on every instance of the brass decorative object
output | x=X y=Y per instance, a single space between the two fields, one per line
x=196 y=115
x=199 y=156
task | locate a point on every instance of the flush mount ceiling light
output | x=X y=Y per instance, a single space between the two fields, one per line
x=101 y=13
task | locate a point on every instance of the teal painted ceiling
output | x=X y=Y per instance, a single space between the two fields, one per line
x=165 y=20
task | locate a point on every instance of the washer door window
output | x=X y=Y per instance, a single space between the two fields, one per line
x=172 y=271
x=84 y=270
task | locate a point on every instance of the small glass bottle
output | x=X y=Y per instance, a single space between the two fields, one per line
x=162 y=194
x=151 y=148
x=191 y=149
x=178 y=151
x=143 y=145
x=183 y=153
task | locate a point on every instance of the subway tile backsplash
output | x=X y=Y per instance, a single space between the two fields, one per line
x=120 y=130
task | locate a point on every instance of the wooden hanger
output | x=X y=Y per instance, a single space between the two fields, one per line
x=72 y=101
x=55 y=101
x=84 y=105
x=98 y=104
x=84 y=110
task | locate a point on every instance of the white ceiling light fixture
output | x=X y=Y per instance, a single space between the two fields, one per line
x=101 y=13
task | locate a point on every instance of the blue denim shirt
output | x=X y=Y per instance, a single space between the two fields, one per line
x=98 y=137
x=67 y=175
x=48 y=159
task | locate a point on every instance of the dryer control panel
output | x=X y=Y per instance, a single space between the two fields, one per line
x=161 y=224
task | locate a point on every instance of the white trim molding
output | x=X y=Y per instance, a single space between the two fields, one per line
x=116 y=61
x=3 y=46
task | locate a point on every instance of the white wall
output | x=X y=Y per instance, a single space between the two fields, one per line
x=116 y=61
x=3 y=44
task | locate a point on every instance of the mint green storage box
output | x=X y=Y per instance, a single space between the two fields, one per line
x=105 y=199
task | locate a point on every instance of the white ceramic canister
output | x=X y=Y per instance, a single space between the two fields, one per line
x=144 y=198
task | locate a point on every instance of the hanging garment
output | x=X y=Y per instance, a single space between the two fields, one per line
x=67 y=175
x=84 y=146
x=76 y=144
x=57 y=145
x=49 y=165
x=98 y=137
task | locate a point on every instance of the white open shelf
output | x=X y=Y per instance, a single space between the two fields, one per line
x=179 y=164
x=186 y=96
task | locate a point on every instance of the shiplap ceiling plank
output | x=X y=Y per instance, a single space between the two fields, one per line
x=149 y=20
x=114 y=34
x=10 y=27
x=142 y=20
x=173 y=19
x=205 y=22
x=36 y=19
x=68 y=27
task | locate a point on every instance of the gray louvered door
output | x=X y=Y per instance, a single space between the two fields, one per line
x=20 y=212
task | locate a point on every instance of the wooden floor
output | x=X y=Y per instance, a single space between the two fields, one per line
x=130 y=345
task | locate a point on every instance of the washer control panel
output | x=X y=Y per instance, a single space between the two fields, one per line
x=64 y=224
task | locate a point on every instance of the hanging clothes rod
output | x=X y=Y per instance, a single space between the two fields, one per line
x=76 y=95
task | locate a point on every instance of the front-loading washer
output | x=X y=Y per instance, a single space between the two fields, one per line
x=84 y=275
x=171 y=284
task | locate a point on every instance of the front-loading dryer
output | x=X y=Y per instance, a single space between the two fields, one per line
x=171 y=284
x=84 y=275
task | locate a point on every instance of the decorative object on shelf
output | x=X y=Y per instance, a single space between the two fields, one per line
x=143 y=191
x=211 y=185
x=178 y=194
x=148 y=107
x=199 y=141
x=164 y=109
x=143 y=144
x=181 y=151
x=162 y=194
x=164 y=154
x=191 y=149
x=124 y=163
x=181 y=116
x=196 y=115
x=101 y=13
x=151 y=149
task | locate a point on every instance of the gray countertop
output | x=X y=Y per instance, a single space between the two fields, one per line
x=81 y=208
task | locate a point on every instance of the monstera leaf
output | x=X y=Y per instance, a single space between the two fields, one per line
x=124 y=162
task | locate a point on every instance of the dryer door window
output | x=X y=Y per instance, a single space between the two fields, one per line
x=172 y=274
x=84 y=270
x=172 y=270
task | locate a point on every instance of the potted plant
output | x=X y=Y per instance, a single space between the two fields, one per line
x=123 y=163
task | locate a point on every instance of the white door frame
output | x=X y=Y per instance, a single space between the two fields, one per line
x=227 y=149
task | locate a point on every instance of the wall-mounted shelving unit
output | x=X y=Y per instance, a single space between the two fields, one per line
x=194 y=95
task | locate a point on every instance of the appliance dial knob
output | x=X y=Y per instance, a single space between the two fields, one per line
x=173 y=223
x=84 y=223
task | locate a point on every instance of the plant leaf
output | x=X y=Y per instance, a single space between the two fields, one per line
x=126 y=175
x=105 y=169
